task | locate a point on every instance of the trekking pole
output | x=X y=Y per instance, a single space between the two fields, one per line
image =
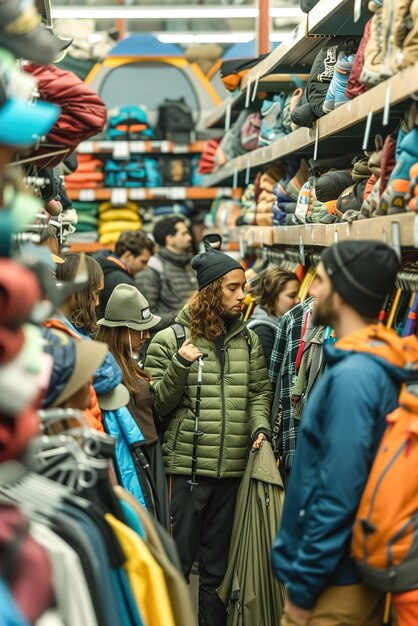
x=196 y=433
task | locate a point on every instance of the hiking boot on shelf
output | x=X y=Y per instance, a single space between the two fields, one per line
x=373 y=71
x=354 y=86
x=399 y=17
x=336 y=91
x=409 y=53
x=271 y=124
x=393 y=199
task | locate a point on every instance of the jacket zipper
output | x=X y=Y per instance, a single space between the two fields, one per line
x=221 y=450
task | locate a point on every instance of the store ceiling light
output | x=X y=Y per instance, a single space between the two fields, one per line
x=135 y=13
x=286 y=12
x=217 y=37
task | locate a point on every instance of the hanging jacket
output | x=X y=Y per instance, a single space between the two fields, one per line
x=115 y=272
x=93 y=414
x=235 y=400
x=109 y=374
x=341 y=428
x=123 y=427
x=167 y=283
x=265 y=326
x=83 y=113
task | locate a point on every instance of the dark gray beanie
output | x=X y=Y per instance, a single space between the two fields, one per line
x=213 y=264
x=362 y=272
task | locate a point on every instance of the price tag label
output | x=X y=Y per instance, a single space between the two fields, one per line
x=302 y=250
x=180 y=149
x=247 y=171
x=85 y=147
x=176 y=193
x=257 y=80
x=121 y=150
x=367 y=130
x=386 y=110
x=416 y=231
x=165 y=146
x=228 y=116
x=159 y=191
x=315 y=154
x=137 y=146
x=357 y=10
x=86 y=195
x=248 y=94
x=106 y=145
x=119 y=196
x=138 y=194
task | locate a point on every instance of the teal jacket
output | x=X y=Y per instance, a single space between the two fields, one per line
x=235 y=400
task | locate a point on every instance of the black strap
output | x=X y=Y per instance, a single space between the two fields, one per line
x=180 y=333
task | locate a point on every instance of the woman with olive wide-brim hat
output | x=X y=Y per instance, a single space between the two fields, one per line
x=126 y=326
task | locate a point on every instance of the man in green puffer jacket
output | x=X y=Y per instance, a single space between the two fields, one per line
x=234 y=414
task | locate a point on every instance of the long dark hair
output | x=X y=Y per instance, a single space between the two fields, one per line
x=82 y=304
x=130 y=369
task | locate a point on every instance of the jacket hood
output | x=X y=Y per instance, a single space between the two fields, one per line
x=398 y=355
x=178 y=259
x=111 y=263
x=260 y=316
x=183 y=317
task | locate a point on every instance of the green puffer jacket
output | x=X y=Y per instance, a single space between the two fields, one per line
x=235 y=403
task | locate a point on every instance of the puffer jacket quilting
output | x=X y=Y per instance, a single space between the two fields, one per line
x=232 y=411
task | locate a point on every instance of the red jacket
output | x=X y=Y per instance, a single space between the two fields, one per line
x=83 y=113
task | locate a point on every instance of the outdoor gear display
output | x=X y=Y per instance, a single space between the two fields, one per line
x=175 y=121
x=83 y=114
x=130 y=123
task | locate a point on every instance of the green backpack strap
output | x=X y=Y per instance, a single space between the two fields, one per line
x=247 y=337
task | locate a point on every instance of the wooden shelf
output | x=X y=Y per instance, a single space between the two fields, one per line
x=310 y=235
x=121 y=195
x=122 y=149
x=332 y=126
x=327 y=19
x=89 y=246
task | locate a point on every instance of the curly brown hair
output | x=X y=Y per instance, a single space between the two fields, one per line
x=82 y=303
x=130 y=368
x=206 y=310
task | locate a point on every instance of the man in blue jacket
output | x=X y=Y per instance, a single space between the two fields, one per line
x=341 y=428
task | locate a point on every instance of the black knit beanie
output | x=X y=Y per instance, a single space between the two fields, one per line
x=213 y=264
x=362 y=272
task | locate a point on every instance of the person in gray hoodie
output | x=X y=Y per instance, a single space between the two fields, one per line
x=279 y=292
x=169 y=279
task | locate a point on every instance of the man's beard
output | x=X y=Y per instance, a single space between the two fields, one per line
x=323 y=315
x=231 y=315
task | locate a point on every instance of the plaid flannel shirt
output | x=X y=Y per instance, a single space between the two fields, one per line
x=283 y=375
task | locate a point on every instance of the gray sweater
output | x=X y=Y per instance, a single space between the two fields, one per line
x=166 y=284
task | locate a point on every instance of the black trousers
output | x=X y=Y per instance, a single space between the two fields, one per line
x=202 y=525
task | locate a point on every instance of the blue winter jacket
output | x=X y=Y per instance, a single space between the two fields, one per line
x=342 y=425
x=121 y=425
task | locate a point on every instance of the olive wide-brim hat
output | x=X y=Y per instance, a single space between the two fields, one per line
x=128 y=307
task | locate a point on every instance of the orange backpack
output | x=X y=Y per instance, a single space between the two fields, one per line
x=385 y=533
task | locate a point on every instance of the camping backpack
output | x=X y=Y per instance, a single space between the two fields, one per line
x=385 y=539
x=129 y=122
x=175 y=121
